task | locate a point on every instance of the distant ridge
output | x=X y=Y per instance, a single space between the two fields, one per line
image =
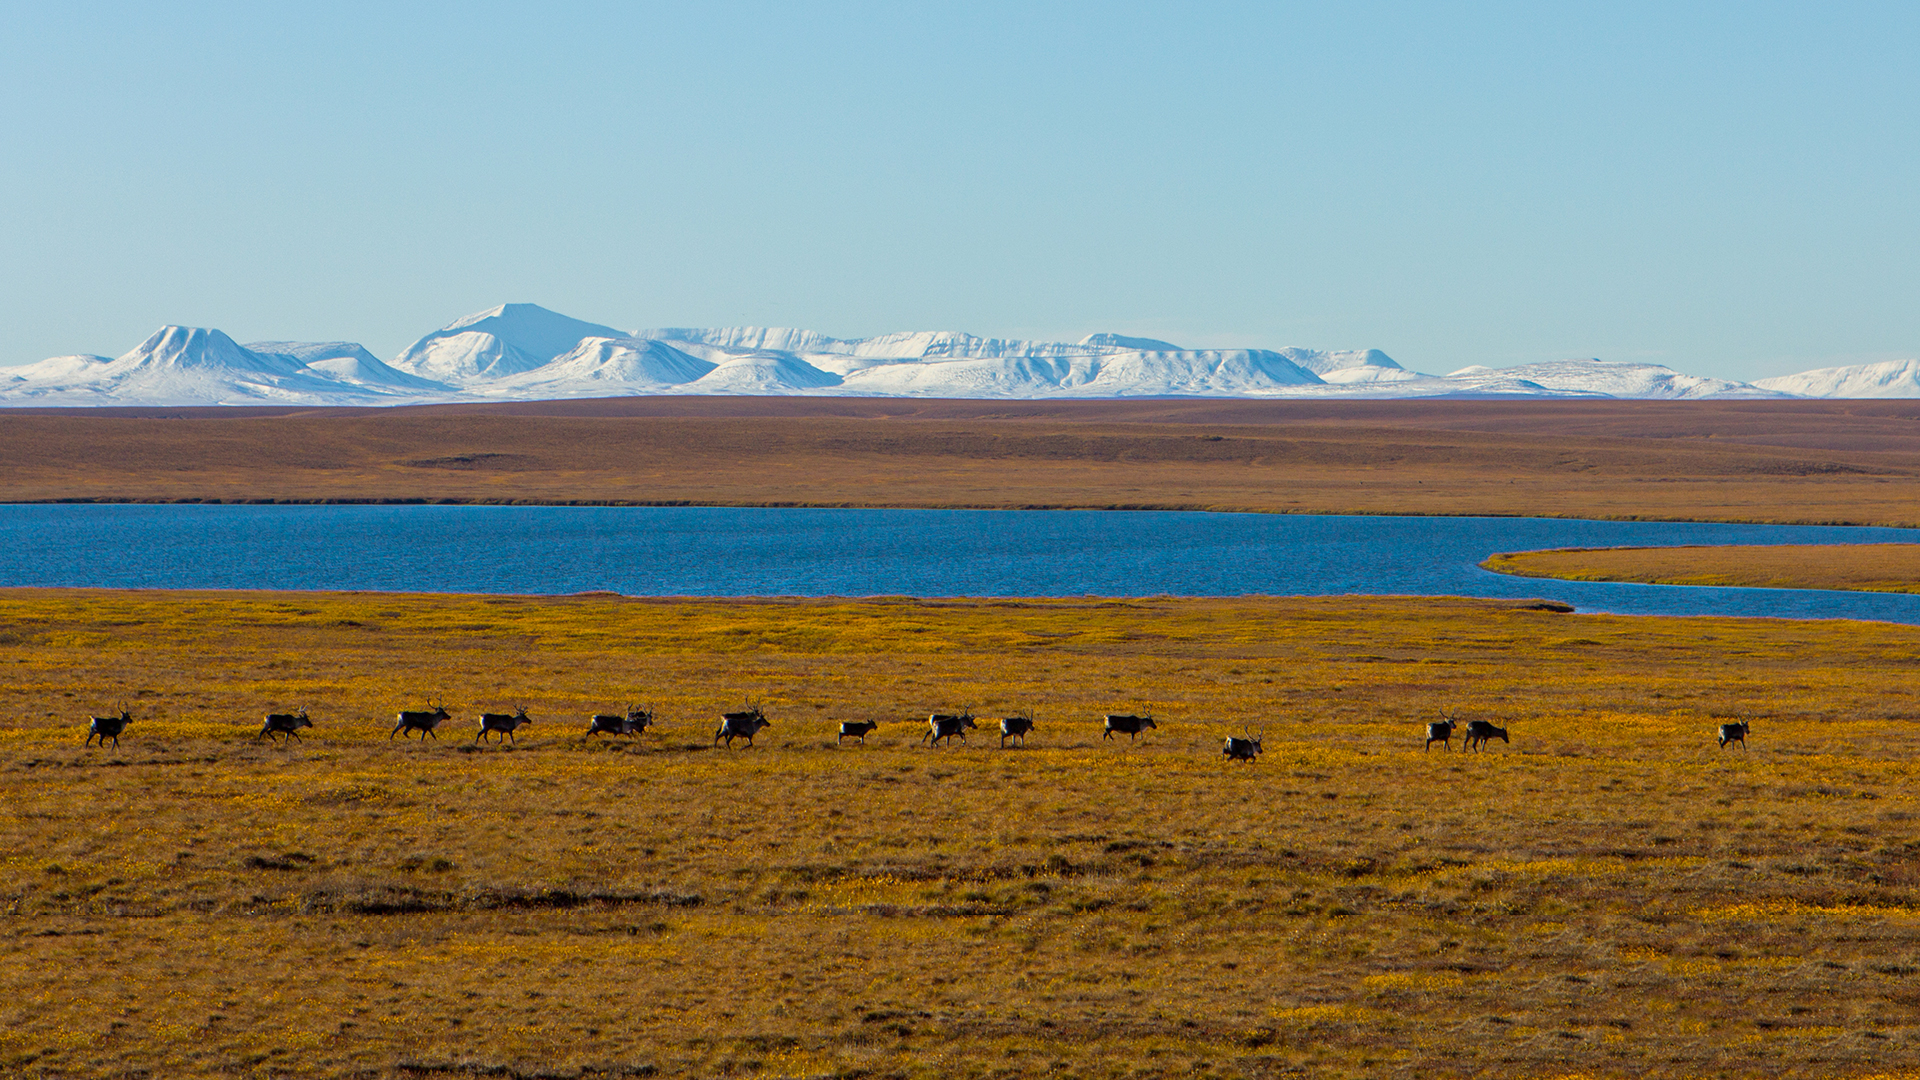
x=1889 y=379
x=524 y=352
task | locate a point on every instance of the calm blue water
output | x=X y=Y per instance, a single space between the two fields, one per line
x=708 y=551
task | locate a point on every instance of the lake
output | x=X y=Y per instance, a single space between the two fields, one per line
x=717 y=551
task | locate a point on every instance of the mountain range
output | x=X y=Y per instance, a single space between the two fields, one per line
x=523 y=352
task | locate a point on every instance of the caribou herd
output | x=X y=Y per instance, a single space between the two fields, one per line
x=743 y=724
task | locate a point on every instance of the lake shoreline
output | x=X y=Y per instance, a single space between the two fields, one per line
x=725 y=552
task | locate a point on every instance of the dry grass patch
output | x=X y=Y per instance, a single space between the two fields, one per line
x=1608 y=896
x=1862 y=567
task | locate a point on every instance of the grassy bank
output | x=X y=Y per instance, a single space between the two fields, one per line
x=1608 y=894
x=1862 y=567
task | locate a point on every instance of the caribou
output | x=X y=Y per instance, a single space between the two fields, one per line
x=502 y=723
x=1130 y=726
x=634 y=723
x=856 y=729
x=108 y=727
x=1016 y=728
x=411 y=720
x=946 y=726
x=288 y=724
x=1244 y=749
x=1480 y=733
x=1441 y=730
x=741 y=725
x=1734 y=732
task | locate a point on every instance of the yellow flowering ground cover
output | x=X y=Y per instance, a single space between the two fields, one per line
x=1860 y=567
x=1607 y=895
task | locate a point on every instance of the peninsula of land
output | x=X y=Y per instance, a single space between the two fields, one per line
x=1855 y=567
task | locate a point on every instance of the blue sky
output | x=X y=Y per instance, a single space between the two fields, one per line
x=1726 y=188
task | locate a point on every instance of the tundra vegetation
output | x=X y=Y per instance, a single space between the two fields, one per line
x=1855 y=462
x=1609 y=894
x=1859 y=567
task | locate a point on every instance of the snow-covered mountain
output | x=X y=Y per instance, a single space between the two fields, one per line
x=505 y=340
x=1614 y=380
x=523 y=352
x=1890 y=379
x=604 y=367
x=181 y=365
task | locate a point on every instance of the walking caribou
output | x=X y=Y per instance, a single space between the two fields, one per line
x=856 y=729
x=412 y=720
x=741 y=725
x=634 y=723
x=1244 y=749
x=1441 y=730
x=287 y=724
x=108 y=727
x=1130 y=726
x=946 y=726
x=1734 y=732
x=1016 y=728
x=1480 y=733
x=502 y=723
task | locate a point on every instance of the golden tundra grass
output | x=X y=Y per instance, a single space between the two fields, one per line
x=1607 y=895
x=1863 y=567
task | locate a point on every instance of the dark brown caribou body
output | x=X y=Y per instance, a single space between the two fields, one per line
x=1480 y=733
x=502 y=723
x=741 y=725
x=412 y=720
x=108 y=727
x=287 y=724
x=1130 y=726
x=856 y=729
x=1016 y=728
x=1245 y=749
x=1732 y=733
x=634 y=723
x=946 y=726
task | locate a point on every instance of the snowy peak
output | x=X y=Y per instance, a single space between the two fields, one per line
x=500 y=341
x=1130 y=344
x=1888 y=379
x=532 y=328
x=1624 y=380
x=763 y=373
x=307 y=352
x=185 y=365
x=524 y=352
x=193 y=348
x=76 y=368
x=752 y=339
x=1323 y=363
x=347 y=362
x=606 y=367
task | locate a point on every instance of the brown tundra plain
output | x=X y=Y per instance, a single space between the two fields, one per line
x=1607 y=893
